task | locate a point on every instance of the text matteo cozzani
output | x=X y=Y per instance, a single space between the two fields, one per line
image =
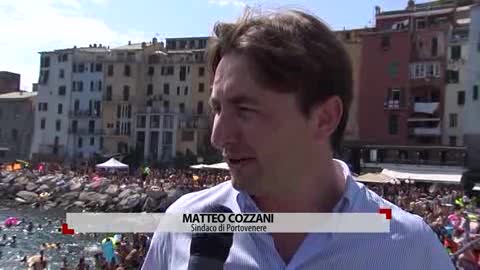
x=234 y=222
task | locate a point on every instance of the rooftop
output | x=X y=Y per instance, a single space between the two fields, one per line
x=428 y=8
x=132 y=46
x=18 y=95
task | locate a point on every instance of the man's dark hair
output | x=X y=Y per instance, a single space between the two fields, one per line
x=292 y=52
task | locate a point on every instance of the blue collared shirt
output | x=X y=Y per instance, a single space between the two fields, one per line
x=411 y=244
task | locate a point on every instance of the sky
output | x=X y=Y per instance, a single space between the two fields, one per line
x=31 y=26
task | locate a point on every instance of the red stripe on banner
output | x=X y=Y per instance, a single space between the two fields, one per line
x=66 y=230
x=386 y=211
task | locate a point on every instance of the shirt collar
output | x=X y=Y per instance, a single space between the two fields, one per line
x=247 y=205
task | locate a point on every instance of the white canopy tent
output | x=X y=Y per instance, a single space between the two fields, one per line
x=218 y=166
x=112 y=164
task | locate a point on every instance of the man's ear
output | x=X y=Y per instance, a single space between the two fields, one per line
x=325 y=117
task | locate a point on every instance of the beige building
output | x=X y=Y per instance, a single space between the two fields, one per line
x=352 y=41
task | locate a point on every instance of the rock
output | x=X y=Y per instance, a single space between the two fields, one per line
x=74 y=186
x=129 y=202
x=22 y=180
x=4 y=186
x=70 y=196
x=92 y=196
x=112 y=190
x=49 y=205
x=115 y=200
x=63 y=204
x=124 y=194
x=28 y=196
x=20 y=200
x=9 y=178
x=42 y=188
x=79 y=203
x=31 y=186
x=156 y=193
x=15 y=188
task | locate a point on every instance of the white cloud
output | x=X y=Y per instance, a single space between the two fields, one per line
x=32 y=26
x=222 y=3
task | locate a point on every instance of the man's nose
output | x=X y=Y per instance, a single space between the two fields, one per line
x=224 y=131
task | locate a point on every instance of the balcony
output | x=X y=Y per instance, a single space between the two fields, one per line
x=85 y=131
x=391 y=104
x=84 y=114
x=426 y=131
x=425 y=107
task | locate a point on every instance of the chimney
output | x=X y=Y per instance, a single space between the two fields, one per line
x=90 y=45
x=154 y=41
x=162 y=45
x=129 y=42
x=34 y=87
x=94 y=45
x=411 y=5
x=144 y=45
x=377 y=10
x=100 y=45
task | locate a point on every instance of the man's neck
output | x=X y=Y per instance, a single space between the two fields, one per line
x=316 y=193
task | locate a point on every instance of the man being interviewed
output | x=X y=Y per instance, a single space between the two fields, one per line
x=281 y=93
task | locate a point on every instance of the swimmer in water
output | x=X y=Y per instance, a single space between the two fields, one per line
x=30 y=226
x=40 y=227
x=4 y=241
x=13 y=241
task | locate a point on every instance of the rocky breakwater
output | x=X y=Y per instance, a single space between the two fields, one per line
x=78 y=194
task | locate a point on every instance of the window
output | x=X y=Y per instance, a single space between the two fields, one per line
x=170 y=70
x=433 y=70
x=79 y=86
x=200 y=107
x=185 y=91
x=58 y=125
x=80 y=142
x=141 y=121
x=434 y=47
x=201 y=71
x=188 y=136
x=129 y=111
x=92 y=67
x=166 y=106
x=166 y=88
x=455 y=52
x=126 y=93
x=99 y=86
x=151 y=71
x=43 y=106
x=453 y=120
x=167 y=137
x=74 y=126
x=43 y=77
x=76 y=105
x=81 y=68
x=110 y=70
x=421 y=24
x=155 y=121
x=181 y=107
x=60 y=108
x=91 y=126
x=61 y=73
x=178 y=90
x=461 y=97
x=183 y=73
x=45 y=62
x=126 y=71
x=393 y=69
x=418 y=71
x=452 y=140
x=393 y=124
x=14 y=134
x=42 y=123
x=65 y=58
x=92 y=86
x=453 y=76
x=92 y=141
x=201 y=87
x=385 y=42
x=475 y=92
x=108 y=96
x=119 y=111
x=98 y=67
x=149 y=89
x=149 y=103
x=62 y=90
x=168 y=121
x=101 y=142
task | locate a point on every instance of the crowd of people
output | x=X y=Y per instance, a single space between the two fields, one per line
x=450 y=213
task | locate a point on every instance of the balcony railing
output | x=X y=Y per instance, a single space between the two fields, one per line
x=84 y=114
x=425 y=107
x=424 y=131
x=85 y=131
